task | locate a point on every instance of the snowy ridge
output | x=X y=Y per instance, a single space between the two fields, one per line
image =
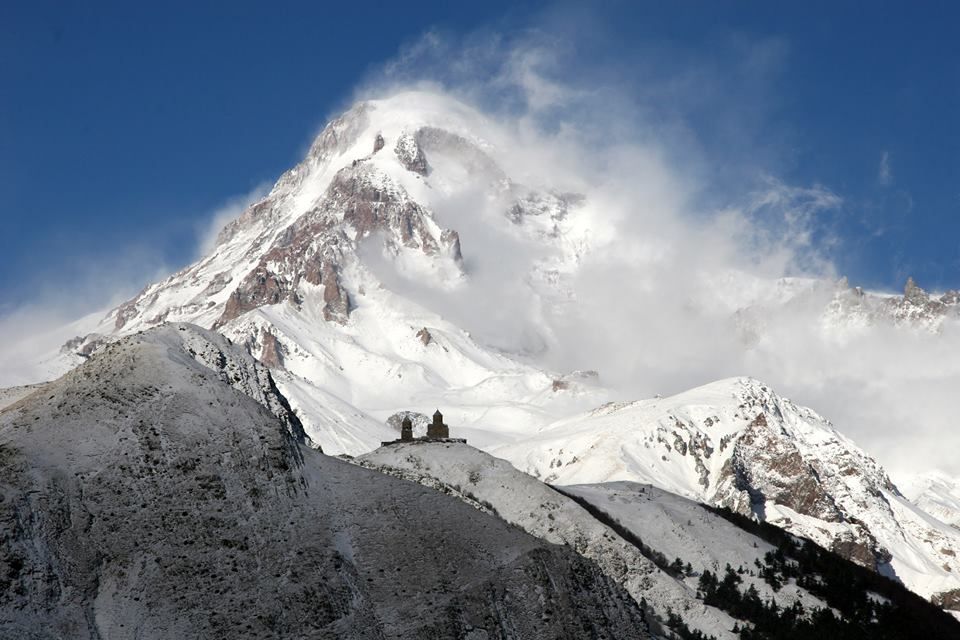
x=736 y=443
x=659 y=546
x=495 y=485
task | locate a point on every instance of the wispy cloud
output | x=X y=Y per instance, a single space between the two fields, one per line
x=885 y=171
x=210 y=225
x=62 y=308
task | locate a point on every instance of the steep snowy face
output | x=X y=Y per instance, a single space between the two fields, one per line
x=736 y=443
x=154 y=492
x=303 y=277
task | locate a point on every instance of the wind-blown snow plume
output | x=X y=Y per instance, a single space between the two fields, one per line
x=682 y=275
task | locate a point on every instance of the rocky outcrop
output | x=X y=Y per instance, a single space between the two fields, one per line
x=85 y=346
x=771 y=468
x=768 y=467
x=949 y=600
x=737 y=444
x=410 y=154
x=261 y=287
x=127 y=310
x=359 y=202
x=426 y=338
x=916 y=308
x=271 y=351
x=450 y=243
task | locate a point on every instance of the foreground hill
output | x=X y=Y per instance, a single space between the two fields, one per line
x=493 y=484
x=701 y=571
x=162 y=490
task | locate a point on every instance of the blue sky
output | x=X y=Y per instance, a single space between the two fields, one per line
x=124 y=127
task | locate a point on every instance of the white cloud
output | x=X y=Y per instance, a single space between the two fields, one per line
x=35 y=330
x=213 y=223
x=885 y=172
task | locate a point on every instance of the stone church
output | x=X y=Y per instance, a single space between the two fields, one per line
x=436 y=430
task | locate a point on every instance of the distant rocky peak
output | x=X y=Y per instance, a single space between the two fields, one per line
x=914 y=294
x=340 y=134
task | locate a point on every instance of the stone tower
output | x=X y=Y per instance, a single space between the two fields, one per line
x=406 y=429
x=437 y=429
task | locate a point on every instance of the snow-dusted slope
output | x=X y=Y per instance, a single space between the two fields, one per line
x=630 y=530
x=14 y=394
x=494 y=485
x=681 y=528
x=738 y=444
x=144 y=497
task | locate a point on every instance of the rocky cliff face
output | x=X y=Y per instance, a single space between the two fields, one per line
x=144 y=497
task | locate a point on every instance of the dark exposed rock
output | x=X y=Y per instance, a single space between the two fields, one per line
x=260 y=287
x=773 y=469
x=450 y=241
x=336 y=300
x=951 y=297
x=410 y=154
x=127 y=310
x=378 y=143
x=916 y=307
x=314 y=248
x=271 y=351
x=947 y=600
x=425 y=336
